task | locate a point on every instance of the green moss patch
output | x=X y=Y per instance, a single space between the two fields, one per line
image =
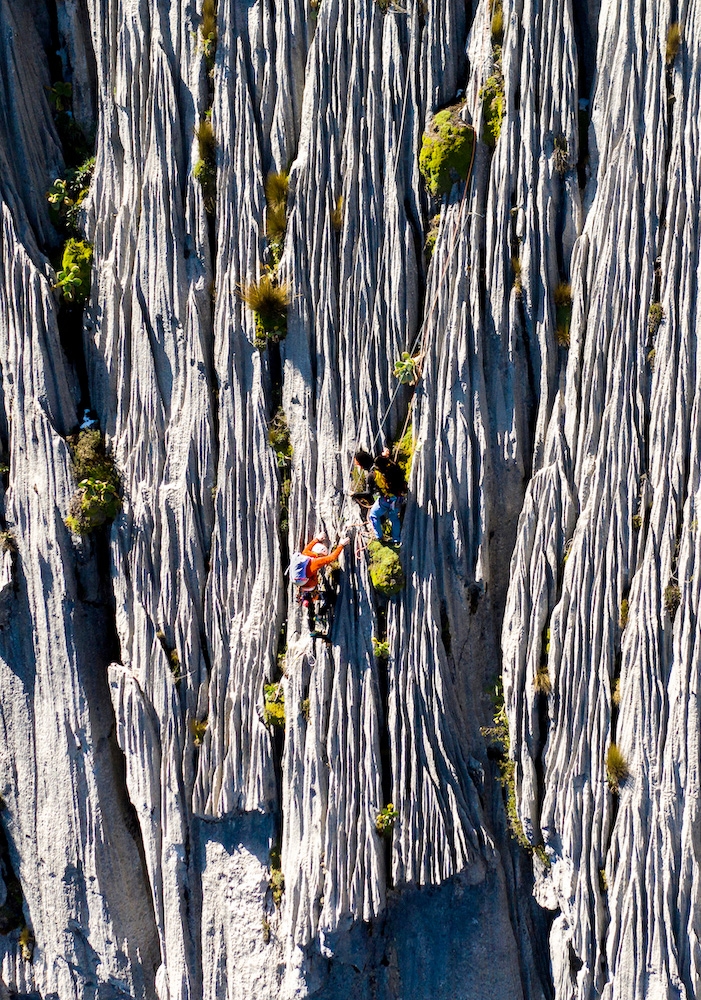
x=385 y=568
x=446 y=151
x=493 y=107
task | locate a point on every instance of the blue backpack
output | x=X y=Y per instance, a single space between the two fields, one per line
x=299 y=565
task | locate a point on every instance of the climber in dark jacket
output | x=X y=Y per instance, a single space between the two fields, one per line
x=386 y=484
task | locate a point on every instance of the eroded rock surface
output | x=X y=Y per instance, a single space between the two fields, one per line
x=161 y=837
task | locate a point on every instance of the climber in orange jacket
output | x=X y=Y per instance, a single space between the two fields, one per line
x=305 y=565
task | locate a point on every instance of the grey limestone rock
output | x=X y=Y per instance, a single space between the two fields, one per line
x=162 y=838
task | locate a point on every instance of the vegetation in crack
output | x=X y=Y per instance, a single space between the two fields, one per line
x=277 y=879
x=562 y=296
x=66 y=196
x=499 y=750
x=268 y=298
x=274 y=706
x=447 y=151
x=205 y=169
x=385 y=820
x=616 y=768
x=279 y=440
x=97 y=499
x=73 y=280
x=208 y=33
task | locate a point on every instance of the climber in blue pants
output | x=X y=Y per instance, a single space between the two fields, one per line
x=386 y=484
x=386 y=507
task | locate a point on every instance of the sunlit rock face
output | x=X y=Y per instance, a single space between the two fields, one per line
x=162 y=838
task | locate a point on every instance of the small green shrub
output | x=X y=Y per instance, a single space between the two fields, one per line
x=672 y=599
x=274 y=709
x=305 y=708
x=623 y=617
x=493 y=108
x=94 y=503
x=385 y=568
x=208 y=31
x=268 y=301
x=385 y=820
x=637 y=522
x=603 y=881
x=198 y=727
x=407 y=370
x=277 y=879
x=616 y=768
x=560 y=155
x=67 y=194
x=541 y=680
x=655 y=315
x=380 y=648
x=674 y=41
x=74 y=277
x=446 y=151
x=563 y=313
x=651 y=359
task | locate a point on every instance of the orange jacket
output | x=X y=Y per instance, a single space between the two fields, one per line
x=316 y=562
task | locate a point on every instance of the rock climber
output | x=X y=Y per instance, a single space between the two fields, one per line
x=304 y=573
x=305 y=565
x=386 y=484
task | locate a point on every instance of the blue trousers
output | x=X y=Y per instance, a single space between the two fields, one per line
x=389 y=508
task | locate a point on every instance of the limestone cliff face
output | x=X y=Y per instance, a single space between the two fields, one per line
x=550 y=535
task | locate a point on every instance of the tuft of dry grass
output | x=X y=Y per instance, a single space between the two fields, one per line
x=337 y=214
x=616 y=692
x=276 y=187
x=206 y=141
x=541 y=680
x=267 y=299
x=623 y=618
x=497 y=26
x=674 y=41
x=616 y=768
